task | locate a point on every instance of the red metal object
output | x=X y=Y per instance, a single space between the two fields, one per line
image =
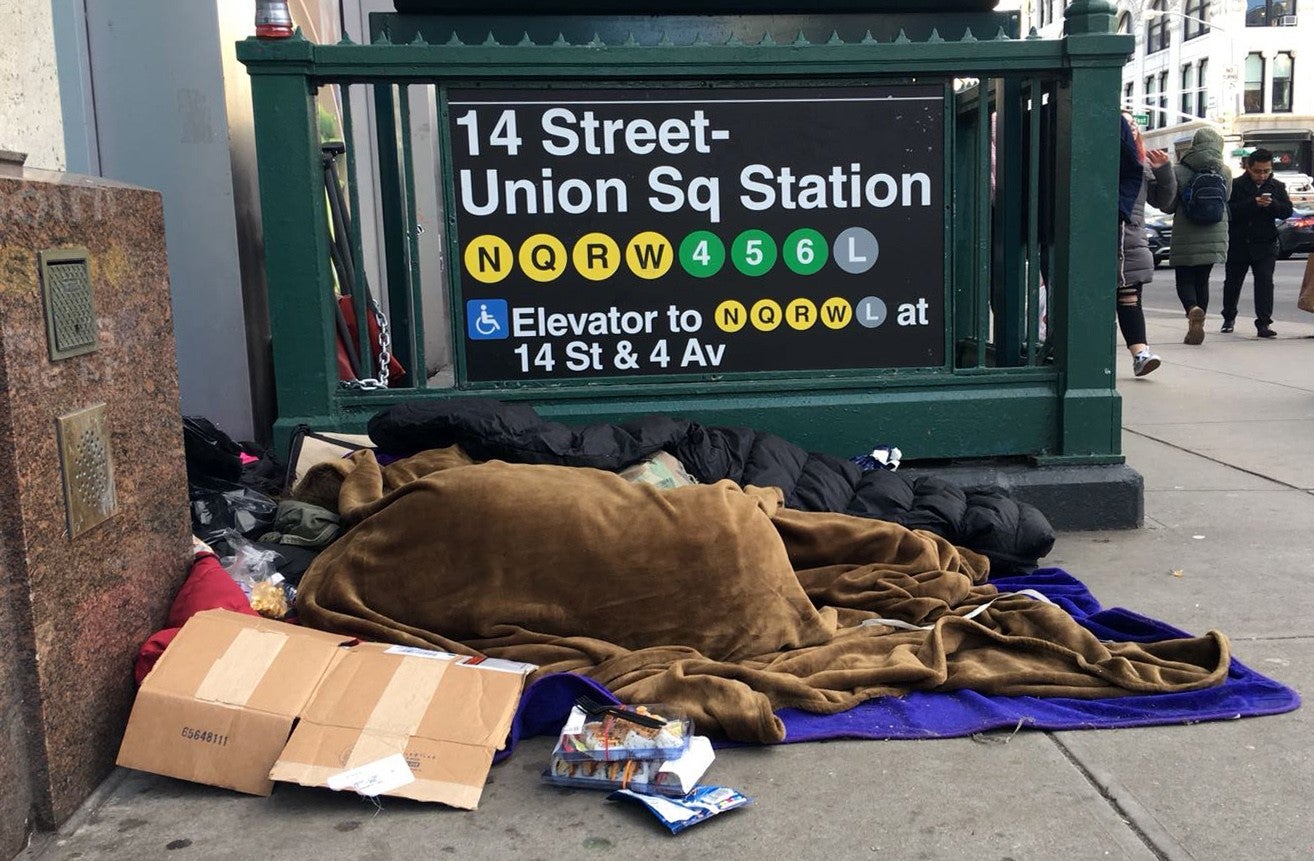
x=273 y=20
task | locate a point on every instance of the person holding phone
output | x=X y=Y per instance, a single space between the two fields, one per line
x=1257 y=203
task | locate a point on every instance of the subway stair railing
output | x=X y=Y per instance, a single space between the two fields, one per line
x=845 y=229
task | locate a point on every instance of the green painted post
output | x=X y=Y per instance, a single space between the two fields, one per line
x=296 y=242
x=1007 y=279
x=395 y=225
x=1088 y=17
x=964 y=179
x=1086 y=230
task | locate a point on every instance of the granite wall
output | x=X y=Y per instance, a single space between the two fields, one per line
x=76 y=607
x=16 y=798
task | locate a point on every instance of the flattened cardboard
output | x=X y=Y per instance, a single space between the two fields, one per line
x=444 y=716
x=218 y=706
x=222 y=701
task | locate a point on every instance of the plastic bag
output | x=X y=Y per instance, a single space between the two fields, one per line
x=255 y=571
x=219 y=507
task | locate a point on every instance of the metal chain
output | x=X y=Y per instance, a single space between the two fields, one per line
x=380 y=381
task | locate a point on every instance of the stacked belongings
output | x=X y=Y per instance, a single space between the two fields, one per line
x=650 y=749
x=647 y=754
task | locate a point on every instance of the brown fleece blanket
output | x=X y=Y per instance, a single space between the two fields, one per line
x=711 y=597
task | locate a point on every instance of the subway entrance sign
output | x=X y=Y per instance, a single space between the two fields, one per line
x=844 y=223
x=609 y=232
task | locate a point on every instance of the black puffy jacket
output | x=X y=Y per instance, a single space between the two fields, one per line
x=1013 y=535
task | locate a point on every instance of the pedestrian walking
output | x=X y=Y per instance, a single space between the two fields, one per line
x=1257 y=203
x=1143 y=175
x=1204 y=184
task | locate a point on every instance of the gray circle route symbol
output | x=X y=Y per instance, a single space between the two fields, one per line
x=856 y=250
x=870 y=312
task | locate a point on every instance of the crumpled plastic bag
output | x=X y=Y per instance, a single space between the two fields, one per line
x=219 y=507
x=255 y=571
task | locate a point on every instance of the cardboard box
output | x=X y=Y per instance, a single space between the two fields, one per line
x=445 y=717
x=220 y=704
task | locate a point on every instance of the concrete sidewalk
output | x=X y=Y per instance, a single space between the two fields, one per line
x=1222 y=434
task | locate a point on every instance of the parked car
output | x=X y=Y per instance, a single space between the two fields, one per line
x=1296 y=234
x=1300 y=188
x=1158 y=234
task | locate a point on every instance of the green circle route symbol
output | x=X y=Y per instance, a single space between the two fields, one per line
x=702 y=254
x=753 y=252
x=805 y=251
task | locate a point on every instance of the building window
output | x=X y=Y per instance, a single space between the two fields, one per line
x=1282 y=65
x=1127 y=97
x=1188 y=91
x=1196 y=21
x=1202 y=93
x=1254 y=92
x=1163 y=98
x=1149 y=103
x=1270 y=13
x=1156 y=27
x=1124 y=23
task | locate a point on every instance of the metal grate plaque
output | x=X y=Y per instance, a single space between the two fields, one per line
x=84 y=454
x=70 y=313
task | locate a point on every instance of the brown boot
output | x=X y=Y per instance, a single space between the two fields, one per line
x=1194 y=326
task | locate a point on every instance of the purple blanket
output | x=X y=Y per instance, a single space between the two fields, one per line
x=948 y=714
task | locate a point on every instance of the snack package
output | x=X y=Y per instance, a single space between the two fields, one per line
x=674 y=777
x=610 y=735
x=269 y=597
x=254 y=570
x=678 y=814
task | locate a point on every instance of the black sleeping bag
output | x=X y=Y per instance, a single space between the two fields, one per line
x=1014 y=535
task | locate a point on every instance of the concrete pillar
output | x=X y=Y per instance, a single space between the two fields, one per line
x=30 y=119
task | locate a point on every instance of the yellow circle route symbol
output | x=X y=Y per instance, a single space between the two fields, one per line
x=488 y=258
x=801 y=314
x=649 y=255
x=836 y=312
x=731 y=315
x=596 y=256
x=766 y=315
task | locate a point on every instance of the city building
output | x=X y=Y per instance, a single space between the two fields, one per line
x=1234 y=65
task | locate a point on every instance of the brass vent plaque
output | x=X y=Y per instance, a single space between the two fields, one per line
x=70 y=314
x=84 y=453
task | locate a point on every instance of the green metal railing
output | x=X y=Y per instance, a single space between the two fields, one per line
x=1030 y=178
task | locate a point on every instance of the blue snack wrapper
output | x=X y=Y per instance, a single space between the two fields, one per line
x=678 y=814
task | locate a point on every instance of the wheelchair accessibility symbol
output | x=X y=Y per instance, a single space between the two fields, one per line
x=485 y=319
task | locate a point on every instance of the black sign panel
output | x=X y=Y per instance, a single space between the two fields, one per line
x=631 y=233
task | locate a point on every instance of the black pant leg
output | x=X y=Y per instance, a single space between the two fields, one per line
x=1131 y=316
x=1202 y=285
x=1238 y=261
x=1263 y=266
x=1185 y=278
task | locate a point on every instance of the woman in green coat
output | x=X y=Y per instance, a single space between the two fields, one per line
x=1197 y=247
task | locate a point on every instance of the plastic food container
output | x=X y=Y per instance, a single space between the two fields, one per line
x=610 y=736
x=674 y=777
